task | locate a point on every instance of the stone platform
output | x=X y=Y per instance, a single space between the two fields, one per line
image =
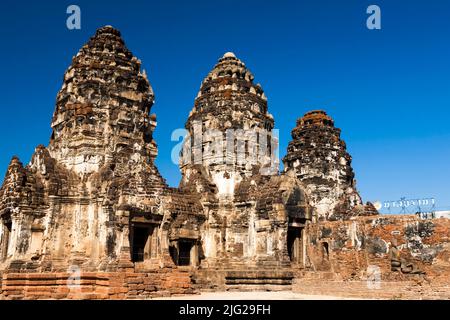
x=243 y=280
x=95 y=285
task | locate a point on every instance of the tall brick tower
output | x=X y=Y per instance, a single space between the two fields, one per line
x=250 y=209
x=78 y=200
x=229 y=113
x=320 y=160
x=102 y=109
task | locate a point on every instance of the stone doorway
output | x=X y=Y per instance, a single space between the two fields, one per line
x=184 y=252
x=295 y=245
x=141 y=242
x=7 y=227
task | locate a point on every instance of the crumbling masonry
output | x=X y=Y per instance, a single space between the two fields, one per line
x=91 y=217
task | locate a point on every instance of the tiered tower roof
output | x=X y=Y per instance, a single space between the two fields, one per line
x=103 y=107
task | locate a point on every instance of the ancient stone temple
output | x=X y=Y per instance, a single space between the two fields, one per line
x=91 y=217
x=253 y=215
x=73 y=200
x=92 y=200
x=319 y=159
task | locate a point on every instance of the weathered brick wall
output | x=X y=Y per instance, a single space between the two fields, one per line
x=349 y=248
x=406 y=289
x=96 y=285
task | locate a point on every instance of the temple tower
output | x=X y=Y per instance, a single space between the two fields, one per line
x=320 y=160
x=229 y=128
x=102 y=109
x=93 y=197
x=229 y=157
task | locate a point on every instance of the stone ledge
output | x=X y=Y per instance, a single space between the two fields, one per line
x=94 y=285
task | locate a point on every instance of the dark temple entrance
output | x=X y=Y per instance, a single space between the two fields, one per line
x=184 y=252
x=295 y=244
x=4 y=241
x=141 y=239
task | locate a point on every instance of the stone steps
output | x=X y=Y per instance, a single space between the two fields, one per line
x=243 y=279
x=259 y=287
x=258 y=280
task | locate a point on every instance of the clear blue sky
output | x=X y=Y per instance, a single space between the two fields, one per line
x=388 y=90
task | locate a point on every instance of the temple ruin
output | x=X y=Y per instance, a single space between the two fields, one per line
x=91 y=217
